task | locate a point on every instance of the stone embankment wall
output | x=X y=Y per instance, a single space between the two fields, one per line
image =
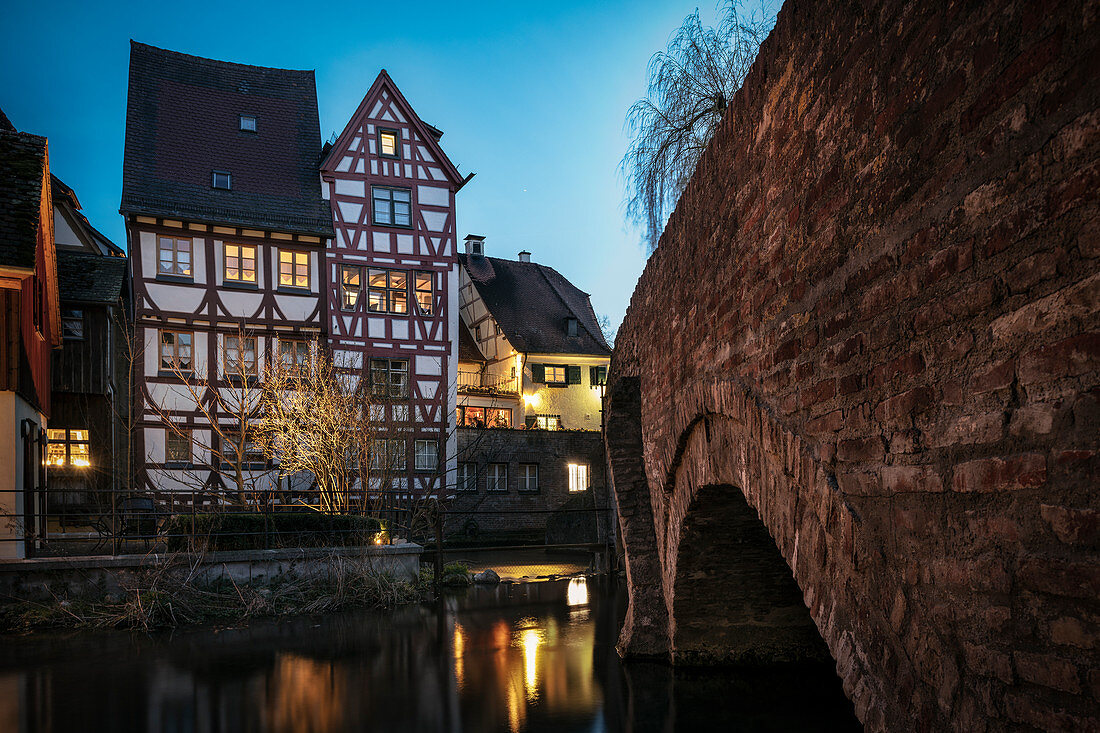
x=876 y=312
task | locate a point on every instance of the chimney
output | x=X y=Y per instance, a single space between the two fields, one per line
x=524 y=256
x=475 y=245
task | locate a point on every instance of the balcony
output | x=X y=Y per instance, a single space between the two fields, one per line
x=484 y=383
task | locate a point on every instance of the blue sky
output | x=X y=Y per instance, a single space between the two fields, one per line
x=531 y=97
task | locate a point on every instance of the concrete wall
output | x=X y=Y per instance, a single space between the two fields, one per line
x=876 y=313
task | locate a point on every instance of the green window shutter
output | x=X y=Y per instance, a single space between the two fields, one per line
x=572 y=375
x=593 y=376
x=538 y=373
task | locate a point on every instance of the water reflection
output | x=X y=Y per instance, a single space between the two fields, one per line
x=523 y=657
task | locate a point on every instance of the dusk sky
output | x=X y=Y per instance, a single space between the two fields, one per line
x=531 y=98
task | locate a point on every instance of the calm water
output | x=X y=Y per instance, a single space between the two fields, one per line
x=520 y=657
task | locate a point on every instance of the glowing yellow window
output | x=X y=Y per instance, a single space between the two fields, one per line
x=387 y=143
x=68 y=447
x=240 y=263
x=293 y=269
x=55 y=449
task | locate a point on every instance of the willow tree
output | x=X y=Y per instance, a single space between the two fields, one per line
x=690 y=84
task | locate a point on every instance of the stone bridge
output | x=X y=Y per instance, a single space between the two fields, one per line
x=854 y=408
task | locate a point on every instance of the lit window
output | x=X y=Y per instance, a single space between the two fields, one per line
x=174 y=257
x=424 y=292
x=175 y=351
x=240 y=356
x=177 y=445
x=426 y=455
x=389 y=377
x=293 y=269
x=467 y=477
x=546 y=422
x=498 y=417
x=496 y=477
x=392 y=206
x=240 y=263
x=350 y=286
x=387 y=291
x=221 y=180
x=555 y=374
x=248 y=123
x=72 y=325
x=578 y=477
x=387 y=143
x=67 y=448
x=529 y=477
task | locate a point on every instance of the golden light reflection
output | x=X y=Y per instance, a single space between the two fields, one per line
x=306 y=695
x=577 y=593
x=459 y=650
x=531 y=641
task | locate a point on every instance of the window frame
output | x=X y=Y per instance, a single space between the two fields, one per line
x=226 y=439
x=392 y=208
x=389 y=384
x=228 y=180
x=388 y=292
x=294 y=254
x=177 y=271
x=420 y=466
x=188 y=439
x=345 y=270
x=429 y=292
x=466 y=483
x=525 y=475
x=67 y=318
x=250 y=371
x=555 y=368
x=174 y=364
x=396 y=143
x=67 y=442
x=255 y=123
x=240 y=280
x=492 y=485
x=294 y=367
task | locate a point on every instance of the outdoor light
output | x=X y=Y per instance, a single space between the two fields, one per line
x=530 y=400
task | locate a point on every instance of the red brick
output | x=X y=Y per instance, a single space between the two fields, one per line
x=861 y=449
x=904 y=406
x=1067 y=358
x=828 y=423
x=905 y=479
x=1048 y=670
x=988 y=662
x=998 y=376
x=1001 y=474
x=1072 y=526
x=1061 y=578
x=1033 y=270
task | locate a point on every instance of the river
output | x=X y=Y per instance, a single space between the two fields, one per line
x=535 y=656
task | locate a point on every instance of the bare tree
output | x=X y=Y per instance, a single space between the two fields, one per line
x=690 y=84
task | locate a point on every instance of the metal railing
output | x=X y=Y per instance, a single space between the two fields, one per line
x=481 y=381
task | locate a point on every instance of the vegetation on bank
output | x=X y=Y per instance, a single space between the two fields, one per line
x=163 y=599
x=258 y=531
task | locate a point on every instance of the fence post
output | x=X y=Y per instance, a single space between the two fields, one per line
x=438 y=546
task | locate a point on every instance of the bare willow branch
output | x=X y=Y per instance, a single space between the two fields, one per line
x=690 y=84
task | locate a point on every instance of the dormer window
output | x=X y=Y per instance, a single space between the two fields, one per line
x=221 y=180
x=387 y=144
x=248 y=123
x=571 y=326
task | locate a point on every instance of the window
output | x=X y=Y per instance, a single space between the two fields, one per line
x=388 y=455
x=528 y=477
x=597 y=376
x=240 y=263
x=496 y=478
x=174 y=257
x=555 y=374
x=424 y=291
x=571 y=326
x=389 y=378
x=391 y=206
x=67 y=448
x=426 y=453
x=239 y=354
x=467 y=477
x=477 y=334
x=543 y=422
x=221 y=180
x=232 y=448
x=388 y=291
x=578 y=476
x=387 y=143
x=293 y=269
x=481 y=417
x=350 y=286
x=177 y=445
x=294 y=356
x=72 y=325
x=248 y=123
x=175 y=351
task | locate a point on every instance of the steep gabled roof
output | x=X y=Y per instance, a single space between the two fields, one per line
x=87 y=277
x=65 y=197
x=183 y=122
x=532 y=302
x=429 y=134
x=22 y=161
x=468 y=350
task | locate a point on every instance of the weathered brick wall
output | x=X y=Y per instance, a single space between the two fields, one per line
x=875 y=311
x=516 y=512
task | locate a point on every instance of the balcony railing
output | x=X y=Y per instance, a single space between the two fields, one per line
x=484 y=382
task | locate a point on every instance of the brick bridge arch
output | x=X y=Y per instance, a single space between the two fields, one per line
x=873 y=324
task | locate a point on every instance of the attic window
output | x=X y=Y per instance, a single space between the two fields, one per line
x=221 y=180
x=248 y=123
x=476 y=248
x=387 y=144
x=571 y=326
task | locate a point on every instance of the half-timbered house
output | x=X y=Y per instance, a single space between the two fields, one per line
x=227 y=231
x=393 y=276
x=30 y=328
